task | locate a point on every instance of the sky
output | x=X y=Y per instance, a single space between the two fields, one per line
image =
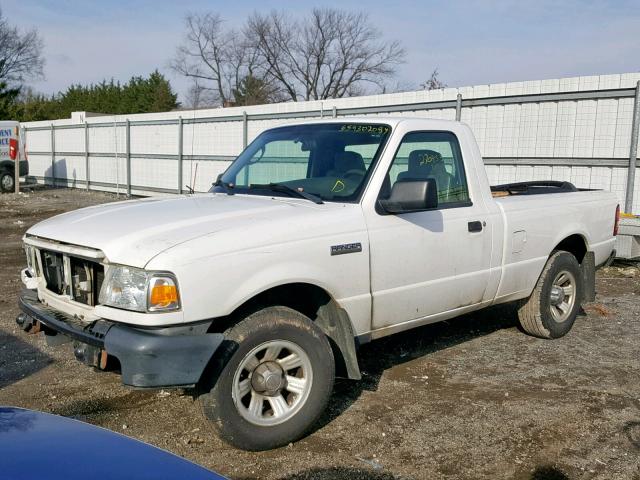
x=469 y=42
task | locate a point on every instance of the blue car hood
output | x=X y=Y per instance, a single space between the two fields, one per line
x=36 y=445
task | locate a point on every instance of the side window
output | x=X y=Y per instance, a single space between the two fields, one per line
x=433 y=155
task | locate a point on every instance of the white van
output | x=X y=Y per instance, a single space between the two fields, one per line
x=12 y=148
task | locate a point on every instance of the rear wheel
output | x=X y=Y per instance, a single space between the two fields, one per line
x=7 y=182
x=552 y=308
x=273 y=379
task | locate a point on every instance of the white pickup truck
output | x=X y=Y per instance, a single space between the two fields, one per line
x=319 y=237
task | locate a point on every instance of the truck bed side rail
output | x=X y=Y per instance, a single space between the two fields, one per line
x=536 y=187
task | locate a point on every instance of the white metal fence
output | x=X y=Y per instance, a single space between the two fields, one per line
x=577 y=129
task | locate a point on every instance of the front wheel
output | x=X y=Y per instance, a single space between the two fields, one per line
x=7 y=183
x=552 y=308
x=275 y=375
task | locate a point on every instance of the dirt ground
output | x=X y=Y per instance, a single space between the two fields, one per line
x=469 y=398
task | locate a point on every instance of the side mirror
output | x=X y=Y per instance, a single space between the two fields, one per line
x=411 y=196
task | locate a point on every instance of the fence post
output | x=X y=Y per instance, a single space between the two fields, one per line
x=180 y=143
x=16 y=161
x=334 y=112
x=128 y=154
x=87 y=168
x=458 y=107
x=245 y=126
x=53 y=156
x=633 y=152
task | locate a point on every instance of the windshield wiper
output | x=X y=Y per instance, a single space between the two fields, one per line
x=281 y=187
x=226 y=185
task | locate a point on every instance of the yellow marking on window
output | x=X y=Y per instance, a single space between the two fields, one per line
x=427 y=158
x=338 y=187
x=365 y=128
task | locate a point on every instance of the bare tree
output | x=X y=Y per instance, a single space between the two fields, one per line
x=199 y=97
x=330 y=54
x=203 y=54
x=433 y=82
x=217 y=59
x=20 y=53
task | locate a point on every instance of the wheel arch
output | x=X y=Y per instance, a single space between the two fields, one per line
x=317 y=304
x=576 y=244
x=7 y=165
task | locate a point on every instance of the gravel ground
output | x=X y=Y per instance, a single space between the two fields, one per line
x=469 y=398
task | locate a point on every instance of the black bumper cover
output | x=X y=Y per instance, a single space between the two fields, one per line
x=149 y=358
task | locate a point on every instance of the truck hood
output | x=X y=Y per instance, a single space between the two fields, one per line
x=133 y=232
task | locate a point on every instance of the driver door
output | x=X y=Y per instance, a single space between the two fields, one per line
x=429 y=262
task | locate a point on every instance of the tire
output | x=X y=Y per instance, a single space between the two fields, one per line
x=551 y=309
x=7 y=182
x=242 y=393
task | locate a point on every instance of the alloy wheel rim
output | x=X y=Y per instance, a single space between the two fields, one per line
x=562 y=296
x=272 y=383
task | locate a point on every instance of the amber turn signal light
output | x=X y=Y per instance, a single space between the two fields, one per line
x=163 y=294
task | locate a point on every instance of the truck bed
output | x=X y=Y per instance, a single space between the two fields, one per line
x=534 y=224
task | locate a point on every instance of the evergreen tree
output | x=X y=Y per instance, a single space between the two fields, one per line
x=162 y=96
x=252 y=91
x=138 y=95
x=30 y=107
x=7 y=100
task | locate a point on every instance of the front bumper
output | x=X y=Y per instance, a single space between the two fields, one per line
x=149 y=358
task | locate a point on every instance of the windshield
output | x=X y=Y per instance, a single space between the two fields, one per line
x=330 y=161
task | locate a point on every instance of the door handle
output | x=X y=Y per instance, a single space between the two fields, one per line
x=475 y=226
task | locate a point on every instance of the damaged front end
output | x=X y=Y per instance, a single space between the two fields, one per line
x=62 y=288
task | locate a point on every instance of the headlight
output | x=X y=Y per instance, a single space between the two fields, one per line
x=136 y=289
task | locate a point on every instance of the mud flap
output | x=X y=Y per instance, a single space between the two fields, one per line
x=588 y=267
x=334 y=322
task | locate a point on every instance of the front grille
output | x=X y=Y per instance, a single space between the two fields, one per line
x=76 y=277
